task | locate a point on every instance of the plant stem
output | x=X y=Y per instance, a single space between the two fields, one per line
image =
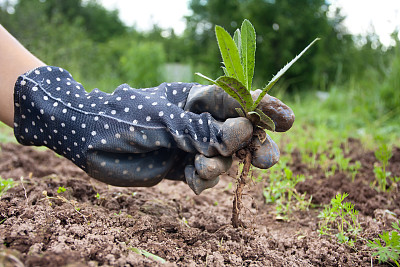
x=237 y=201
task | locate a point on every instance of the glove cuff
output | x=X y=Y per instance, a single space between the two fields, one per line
x=36 y=111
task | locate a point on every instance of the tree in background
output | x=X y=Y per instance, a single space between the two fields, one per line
x=138 y=59
x=85 y=38
x=199 y=37
x=96 y=46
x=99 y=23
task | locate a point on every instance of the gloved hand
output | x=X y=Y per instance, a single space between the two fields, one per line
x=135 y=137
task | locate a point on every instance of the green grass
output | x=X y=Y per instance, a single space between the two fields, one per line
x=6 y=134
x=322 y=126
x=281 y=190
x=5 y=184
x=322 y=130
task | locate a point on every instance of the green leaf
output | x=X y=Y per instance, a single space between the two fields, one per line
x=61 y=189
x=237 y=39
x=237 y=90
x=5 y=184
x=248 y=52
x=279 y=74
x=396 y=225
x=229 y=53
x=234 y=88
x=265 y=121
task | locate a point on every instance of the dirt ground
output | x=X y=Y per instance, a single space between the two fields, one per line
x=76 y=228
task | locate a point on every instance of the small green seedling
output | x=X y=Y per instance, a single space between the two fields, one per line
x=391 y=249
x=185 y=222
x=343 y=163
x=119 y=213
x=383 y=154
x=354 y=168
x=282 y=192
x=238 y=54
x=61 y=189
x=5 y=184
x=343 y=216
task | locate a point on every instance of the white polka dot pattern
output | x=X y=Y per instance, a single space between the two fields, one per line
x=114 y=136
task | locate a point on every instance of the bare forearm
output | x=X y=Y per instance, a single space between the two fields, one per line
x=14 y=61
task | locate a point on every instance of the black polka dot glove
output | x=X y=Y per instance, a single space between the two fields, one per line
x=134 y=137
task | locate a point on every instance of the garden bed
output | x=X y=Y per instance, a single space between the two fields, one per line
x=93 y=224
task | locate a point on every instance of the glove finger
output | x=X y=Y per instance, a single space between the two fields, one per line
x=211 y=99
x=211 y=168
x=266 y=155
x=214 y=137
x=281 y=114
x=222 y=106
x=196 y=183
x=236 y=134
x=121 y=169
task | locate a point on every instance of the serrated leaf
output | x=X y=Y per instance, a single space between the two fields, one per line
x=229 y=53
x=279 y=74
x=248 y=52
x=396 y=225
x=237 y=39
x=237 y=90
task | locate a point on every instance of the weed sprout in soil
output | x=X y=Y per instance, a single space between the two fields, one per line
x=238 y=54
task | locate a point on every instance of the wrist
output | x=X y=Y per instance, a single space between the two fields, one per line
x=15 y=60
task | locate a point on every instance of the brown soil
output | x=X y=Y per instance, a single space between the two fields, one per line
x=170 y=221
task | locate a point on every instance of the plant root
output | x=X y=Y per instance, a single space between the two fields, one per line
x=237 y=200
x=245 y=155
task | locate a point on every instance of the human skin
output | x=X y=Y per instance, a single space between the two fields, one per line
x=15 y=60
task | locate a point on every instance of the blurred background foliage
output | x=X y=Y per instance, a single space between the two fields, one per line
x=360 y=77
